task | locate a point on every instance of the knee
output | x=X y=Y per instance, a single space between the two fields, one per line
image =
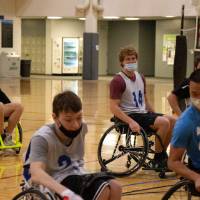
x=172 y=120
x=115 y=187
x=163 y=122
x=18 y=107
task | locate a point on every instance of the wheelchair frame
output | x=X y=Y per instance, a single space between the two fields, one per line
x=17 y=140
x=135 y=153
x=31 y=193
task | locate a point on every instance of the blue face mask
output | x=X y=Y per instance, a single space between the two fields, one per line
x=131 y=67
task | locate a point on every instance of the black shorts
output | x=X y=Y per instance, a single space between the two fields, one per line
x=88 y=186
x=145 y=120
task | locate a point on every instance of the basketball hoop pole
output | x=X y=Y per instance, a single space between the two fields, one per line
x=182 y=19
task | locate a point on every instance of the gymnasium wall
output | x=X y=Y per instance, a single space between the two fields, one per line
x=172 y=27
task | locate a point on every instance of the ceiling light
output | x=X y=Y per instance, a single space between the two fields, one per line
x=81 y=18
x=131 y=18
x=111 y=17
x=54 y=17
x=169 y=16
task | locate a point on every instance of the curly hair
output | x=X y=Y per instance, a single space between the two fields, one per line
x=127 y=51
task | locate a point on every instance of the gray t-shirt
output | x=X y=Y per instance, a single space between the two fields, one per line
x=60 y=160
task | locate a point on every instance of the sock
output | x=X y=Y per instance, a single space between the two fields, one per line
x=8 y=134
x=160 y=156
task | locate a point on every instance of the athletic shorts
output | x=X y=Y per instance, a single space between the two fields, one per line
x=88 y=186
x=145 y=120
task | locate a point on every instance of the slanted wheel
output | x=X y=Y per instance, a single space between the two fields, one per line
x=19 y=129
x=30 y=194
x=183 y=190
x=122 y=152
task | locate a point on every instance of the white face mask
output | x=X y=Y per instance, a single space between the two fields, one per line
x=195 y=102
x=130 y=66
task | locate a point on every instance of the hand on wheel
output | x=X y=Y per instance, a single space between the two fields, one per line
x=70 y=195
x=134 y=126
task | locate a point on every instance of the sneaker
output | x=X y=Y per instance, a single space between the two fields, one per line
x=160 y=165
x=8 y=141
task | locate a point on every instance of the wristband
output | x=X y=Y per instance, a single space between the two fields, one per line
x=67 y=193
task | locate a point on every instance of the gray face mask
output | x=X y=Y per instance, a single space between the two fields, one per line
x=131 y=67
x=195 y=102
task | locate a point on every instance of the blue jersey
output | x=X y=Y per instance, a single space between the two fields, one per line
x=186 y=134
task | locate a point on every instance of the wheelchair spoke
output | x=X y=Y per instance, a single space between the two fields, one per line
x=116 y=146
x=113 y=158
x=30 y=194
x=121 y=151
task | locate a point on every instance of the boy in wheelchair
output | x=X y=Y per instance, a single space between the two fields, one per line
x=186 y=136
x=10 y=112
x=55 y=154
x=129 y=103
x=178 y=98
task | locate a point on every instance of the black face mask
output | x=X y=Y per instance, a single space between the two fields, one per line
x=70 y=134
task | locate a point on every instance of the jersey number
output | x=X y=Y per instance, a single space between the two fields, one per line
x=137 y=98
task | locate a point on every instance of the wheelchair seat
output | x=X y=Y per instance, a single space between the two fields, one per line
x=119 y=121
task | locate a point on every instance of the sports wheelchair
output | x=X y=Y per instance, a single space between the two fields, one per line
x=122 y=152
x=184 y=189
x=17 y=133
x=17 y=139
x=38 y=192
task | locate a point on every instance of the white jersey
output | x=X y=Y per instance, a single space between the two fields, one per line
x=132 y=99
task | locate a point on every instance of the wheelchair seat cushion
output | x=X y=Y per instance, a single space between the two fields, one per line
x=89 y=186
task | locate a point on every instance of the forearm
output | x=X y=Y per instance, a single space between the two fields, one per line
x=183 y=170
x=173 y=102
x=41 y=177
x=149 y=107
x=116 y=110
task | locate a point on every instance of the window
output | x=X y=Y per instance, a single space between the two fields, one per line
x=7 y=33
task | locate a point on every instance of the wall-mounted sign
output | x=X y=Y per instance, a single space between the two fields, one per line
x=169 y=45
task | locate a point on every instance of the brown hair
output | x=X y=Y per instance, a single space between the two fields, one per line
x=127 y=51
x=66 y=101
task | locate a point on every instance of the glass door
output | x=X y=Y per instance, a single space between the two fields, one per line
x=70 y=60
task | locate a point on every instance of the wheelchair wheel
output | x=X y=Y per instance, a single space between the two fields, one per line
x=19 y=129
x=122 y=152
x=182 y=190
x=30 y=194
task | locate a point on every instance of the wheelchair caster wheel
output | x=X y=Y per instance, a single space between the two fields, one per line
x=17 y=151
x=162 y=175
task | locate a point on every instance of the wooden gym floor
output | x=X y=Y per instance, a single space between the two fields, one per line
x=36 y=95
